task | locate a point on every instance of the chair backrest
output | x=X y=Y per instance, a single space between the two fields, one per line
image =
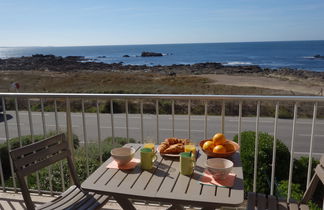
x=33 y=157
x=318 y=176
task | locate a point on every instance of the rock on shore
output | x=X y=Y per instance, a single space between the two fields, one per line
x=79 y=63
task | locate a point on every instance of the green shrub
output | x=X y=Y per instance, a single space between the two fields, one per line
x=282 y=190
x=300 y=169
x=297 y=193
x=264 y=160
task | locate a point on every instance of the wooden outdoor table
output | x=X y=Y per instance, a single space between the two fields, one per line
x=164 y=183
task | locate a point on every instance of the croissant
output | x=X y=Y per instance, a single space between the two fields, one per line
x=163 y=146
x=175 y=149
x=173 y=140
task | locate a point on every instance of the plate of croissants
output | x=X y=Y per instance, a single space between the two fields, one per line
x=172 y=147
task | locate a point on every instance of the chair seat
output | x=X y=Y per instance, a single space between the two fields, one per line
x=262 y=202
x=75 y=198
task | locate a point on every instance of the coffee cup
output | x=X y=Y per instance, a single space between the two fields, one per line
x=187 y=163
x=147 y=158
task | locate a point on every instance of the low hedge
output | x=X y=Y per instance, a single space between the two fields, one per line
x=264 y=160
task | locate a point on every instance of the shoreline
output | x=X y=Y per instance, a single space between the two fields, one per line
x=71 y=74
x=42 y=62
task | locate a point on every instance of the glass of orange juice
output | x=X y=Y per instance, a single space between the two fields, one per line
x=190 y=147
x=149 y=143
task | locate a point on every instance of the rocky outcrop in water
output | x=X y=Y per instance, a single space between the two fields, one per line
x=319 y=56
x=151 y=54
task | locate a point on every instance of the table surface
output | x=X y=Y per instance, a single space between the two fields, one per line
x=164 y=182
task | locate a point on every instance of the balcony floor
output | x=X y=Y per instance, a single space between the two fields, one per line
x=11 y=200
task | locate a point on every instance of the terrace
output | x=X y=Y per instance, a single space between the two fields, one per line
x=101 y=121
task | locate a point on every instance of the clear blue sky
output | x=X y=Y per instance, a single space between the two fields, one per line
x=115 y=22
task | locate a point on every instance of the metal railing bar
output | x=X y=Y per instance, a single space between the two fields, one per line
x=1 y=177
x=206 y=119
x=292 y=152
x=1 y=171
x=311 y=145
x=18 y=121
x=31 y=128
x=142 y=122
x=173 y=113
x=274 y=149
x=169 y=96
x=127 y=122
x=85 y=136
x=57 y=128
x=256 y=148
x=239 y=126
x=223 y=117
x=99 y=130
x=112 y=120
x=45 y=133
x=8 y=143
x=157 y=121
x=189 y=118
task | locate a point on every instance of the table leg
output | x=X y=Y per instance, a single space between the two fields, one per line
x=124 y=202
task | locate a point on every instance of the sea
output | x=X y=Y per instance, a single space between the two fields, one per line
x=274 y=55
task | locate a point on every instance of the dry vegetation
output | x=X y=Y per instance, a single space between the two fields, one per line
x=129 y=82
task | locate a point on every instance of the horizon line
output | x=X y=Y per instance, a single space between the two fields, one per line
x=158 y=43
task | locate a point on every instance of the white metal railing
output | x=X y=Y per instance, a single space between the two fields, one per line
x=223 y=99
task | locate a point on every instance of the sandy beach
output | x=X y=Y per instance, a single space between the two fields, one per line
x=293 y=85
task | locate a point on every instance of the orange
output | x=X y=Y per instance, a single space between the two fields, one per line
x=219 y=149
x=228 y=146
x=218 y=139
x=208 y=145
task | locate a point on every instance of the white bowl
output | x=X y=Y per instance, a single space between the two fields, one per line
x=122 y=155
x=219 y=167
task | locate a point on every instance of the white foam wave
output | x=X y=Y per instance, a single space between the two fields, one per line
x=309 y=57
x=235 y=63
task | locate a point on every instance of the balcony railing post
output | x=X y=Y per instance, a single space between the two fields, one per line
x=142 y=122
x=256 y=148
x=274 y=149
x=127 y=122
x=173 y=113
x=157 y=121
x=112 y=121
x=311 y=145
x=45 y=133
x=189 y=119
x=239 y=126
x=31 y=127
x=99 y=129
x=223 y=117
x=69 y=132
x=206 y=120
x=8 y=143
x=57 y=128
x=292 y=152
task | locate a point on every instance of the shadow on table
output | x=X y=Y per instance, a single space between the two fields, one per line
x=7 y=115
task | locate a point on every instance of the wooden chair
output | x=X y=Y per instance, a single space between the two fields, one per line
x=261 y=201
x=31 y=158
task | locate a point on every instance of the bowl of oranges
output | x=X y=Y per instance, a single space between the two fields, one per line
x=219 y=146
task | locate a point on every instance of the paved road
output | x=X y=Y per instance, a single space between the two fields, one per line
x=301 y=145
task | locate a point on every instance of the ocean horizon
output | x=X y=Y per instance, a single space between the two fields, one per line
x=269 y=54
